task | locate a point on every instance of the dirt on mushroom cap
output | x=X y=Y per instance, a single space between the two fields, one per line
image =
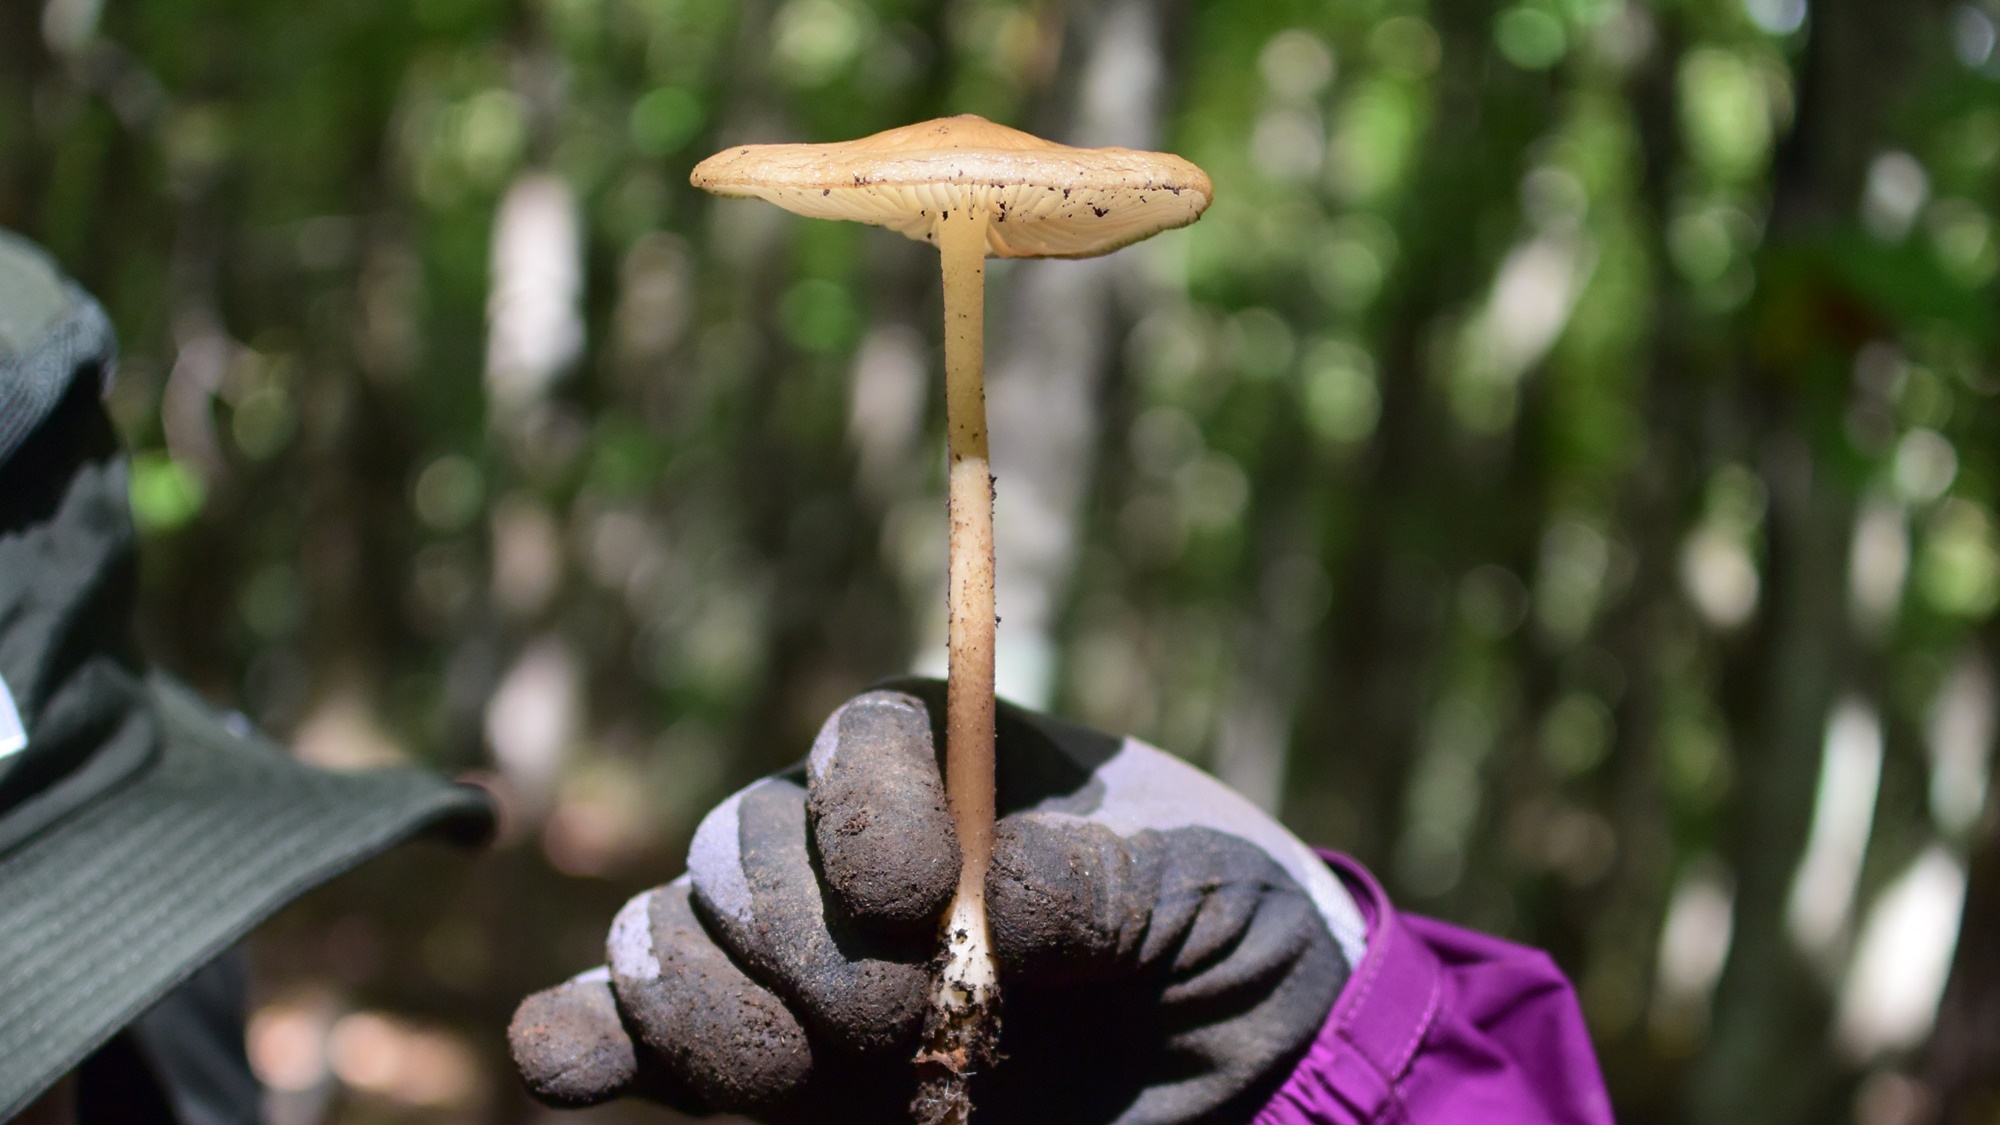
x=1044 y=200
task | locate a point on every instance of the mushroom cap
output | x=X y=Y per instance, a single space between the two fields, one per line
x=1044 y=200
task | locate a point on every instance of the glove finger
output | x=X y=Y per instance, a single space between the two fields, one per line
x=1141 y=789
x=729 y=1039
x=569 y=1045
x=1069 y=900
x=885 y=835
x=572 y=1050
x=753 y=880
x=1188 y=944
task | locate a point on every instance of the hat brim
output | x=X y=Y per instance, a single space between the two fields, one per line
x=105 y=913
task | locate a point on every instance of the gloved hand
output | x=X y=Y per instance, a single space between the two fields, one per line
x=1167 y=951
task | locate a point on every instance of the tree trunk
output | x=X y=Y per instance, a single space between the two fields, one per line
x=1961 y=1065
x=1051 y=357
x=1766 y=1060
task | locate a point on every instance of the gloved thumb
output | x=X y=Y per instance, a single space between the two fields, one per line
x=884 y=835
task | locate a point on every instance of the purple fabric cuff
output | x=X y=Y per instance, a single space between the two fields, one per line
x=1443 y=1026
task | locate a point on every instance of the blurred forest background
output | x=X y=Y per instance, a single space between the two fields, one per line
x=1560 y=469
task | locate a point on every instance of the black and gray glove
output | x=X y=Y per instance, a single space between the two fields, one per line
x=1167 y=951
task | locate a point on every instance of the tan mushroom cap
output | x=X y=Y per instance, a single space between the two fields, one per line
x=1044 y=200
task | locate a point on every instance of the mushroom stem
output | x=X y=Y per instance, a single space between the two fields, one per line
x=962 y=1027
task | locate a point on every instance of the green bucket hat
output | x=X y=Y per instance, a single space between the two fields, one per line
x=142 y=832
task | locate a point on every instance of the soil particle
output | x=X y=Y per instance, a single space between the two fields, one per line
x=958 y=1046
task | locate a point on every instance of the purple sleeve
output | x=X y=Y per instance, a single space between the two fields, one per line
x=1444 y=1026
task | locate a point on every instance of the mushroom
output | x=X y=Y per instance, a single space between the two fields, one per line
x=976 y=190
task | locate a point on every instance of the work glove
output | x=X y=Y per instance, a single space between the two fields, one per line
x=1167 y=952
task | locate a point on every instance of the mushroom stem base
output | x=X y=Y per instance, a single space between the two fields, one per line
x=963 y=1030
